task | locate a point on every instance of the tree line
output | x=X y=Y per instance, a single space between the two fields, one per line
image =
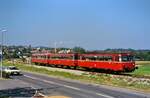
x=21 y=51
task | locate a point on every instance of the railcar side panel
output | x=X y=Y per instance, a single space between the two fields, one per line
x=114 y=66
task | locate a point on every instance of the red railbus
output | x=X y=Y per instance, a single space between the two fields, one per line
x=117 y=62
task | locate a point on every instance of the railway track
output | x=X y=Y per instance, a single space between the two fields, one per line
x=80 y=71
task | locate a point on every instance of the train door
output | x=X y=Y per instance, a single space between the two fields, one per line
x=76 y=57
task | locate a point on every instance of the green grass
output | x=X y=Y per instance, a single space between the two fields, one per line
x=90 y=78
x=41 y=70
x=144 y=69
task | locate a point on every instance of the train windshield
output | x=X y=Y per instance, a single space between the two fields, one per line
x=127 y=58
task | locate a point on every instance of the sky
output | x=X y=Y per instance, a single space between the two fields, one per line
x=91 y=24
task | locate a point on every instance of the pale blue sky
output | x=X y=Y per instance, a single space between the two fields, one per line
x=92 y=24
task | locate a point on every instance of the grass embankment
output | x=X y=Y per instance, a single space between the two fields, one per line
x=90 y=78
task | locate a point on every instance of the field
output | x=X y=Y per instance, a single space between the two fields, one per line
x=142 y=62
x=143 y=68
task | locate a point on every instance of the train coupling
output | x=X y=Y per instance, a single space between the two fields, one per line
x=136 y=67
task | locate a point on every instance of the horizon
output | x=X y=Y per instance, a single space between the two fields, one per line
x=74 y=47
x=92 y=25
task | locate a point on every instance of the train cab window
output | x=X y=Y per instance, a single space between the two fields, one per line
x=127 y=58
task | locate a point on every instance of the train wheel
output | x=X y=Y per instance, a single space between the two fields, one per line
x=53 y=65
x=67 y=67
x=117 y=72
x=61 y=66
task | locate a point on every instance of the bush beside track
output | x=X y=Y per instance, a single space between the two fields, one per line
x=98 y=78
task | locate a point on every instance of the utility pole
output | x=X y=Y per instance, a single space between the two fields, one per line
x=2 y=31
x=55 y=46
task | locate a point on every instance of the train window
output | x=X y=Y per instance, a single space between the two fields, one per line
x=127 y=58
x=104 y=58
x=89 y=58
x=92 y=58
x=62 y=57
x=38 y=57
x=54 y=57
x=99 y=58
x=42 y=57
x=66 y=57
x=81 y=58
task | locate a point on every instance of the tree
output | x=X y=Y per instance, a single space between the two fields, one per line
x=79 y=50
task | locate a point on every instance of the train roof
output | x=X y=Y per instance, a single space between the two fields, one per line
x=98 y=54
